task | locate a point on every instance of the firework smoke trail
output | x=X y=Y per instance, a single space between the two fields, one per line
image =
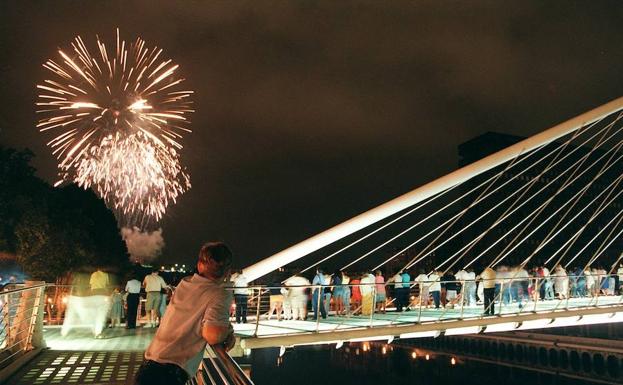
x=117 y=119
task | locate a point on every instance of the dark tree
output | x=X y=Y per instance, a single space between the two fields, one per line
x=53 y=231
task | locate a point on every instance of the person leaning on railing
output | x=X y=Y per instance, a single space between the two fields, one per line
x=488 y=282
x=197 y=314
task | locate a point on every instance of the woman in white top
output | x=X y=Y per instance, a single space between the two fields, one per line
x=590 y=281
x=434 y=287
x=561 y=282
x=423 y=287
x=297 y=296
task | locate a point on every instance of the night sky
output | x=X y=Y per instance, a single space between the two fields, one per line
x=311 y=112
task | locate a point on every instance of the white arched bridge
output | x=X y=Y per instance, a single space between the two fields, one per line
x=545 y=214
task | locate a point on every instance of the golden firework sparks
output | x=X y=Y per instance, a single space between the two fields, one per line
x=118 y=121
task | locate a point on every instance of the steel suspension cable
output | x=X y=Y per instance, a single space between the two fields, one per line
x=570 y=180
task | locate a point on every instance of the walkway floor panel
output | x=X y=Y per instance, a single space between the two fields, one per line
x=79 y=368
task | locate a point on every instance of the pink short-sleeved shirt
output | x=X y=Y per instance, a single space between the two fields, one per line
x=380 y=284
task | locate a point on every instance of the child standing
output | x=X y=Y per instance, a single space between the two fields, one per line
x=116 y=310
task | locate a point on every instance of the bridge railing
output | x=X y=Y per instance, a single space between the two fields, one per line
x=21 y=315
x=219 y=368
x=368 y=305
x=377 y=304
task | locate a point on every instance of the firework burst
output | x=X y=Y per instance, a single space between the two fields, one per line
x=117 y=119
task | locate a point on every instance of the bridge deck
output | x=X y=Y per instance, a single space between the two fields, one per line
x=78 y=358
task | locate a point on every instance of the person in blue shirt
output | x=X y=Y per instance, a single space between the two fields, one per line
x=405 y=290
x=317 y=297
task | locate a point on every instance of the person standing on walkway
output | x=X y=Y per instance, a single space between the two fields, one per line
x=338 y=292
x=405 y=290
x=488 y=283
x=561 y=282
x=434 y=287
x=397 y=280
x=422 y=282
x=318 y=294
x=297 y=294
x=133 y=288
x=99 y=282
x=241 y=296
x=326 y=296
x=153 y=284
x=381 y=294
x=198 y=314
x=521 y=282
x=346 y=291
x=276 y=300
x=116 y=308
x=367 y=288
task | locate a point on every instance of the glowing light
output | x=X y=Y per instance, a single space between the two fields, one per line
x=384 y=350
x=535 y=324
x=464 y=330
x=427 y=357
x=501 y=327
x=453 y=361
x=117 y=118
x=365 y=347
x=432 y=333
x=591 y=319
x=64 y=300
x=282 y=351
x=339 y=344
x=565 y=321
x=413 y=355
x=375 y=338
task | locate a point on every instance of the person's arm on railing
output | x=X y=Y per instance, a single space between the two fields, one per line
x=219 y=335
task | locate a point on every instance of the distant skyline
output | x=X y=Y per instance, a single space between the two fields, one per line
x=309 y=113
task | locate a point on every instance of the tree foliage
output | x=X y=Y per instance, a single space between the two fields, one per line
x=53 y=231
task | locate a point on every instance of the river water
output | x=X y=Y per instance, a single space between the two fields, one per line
x=402 y=362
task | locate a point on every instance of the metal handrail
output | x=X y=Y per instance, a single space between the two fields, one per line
x=20 y=320
x=511 y=293
x=219 y=368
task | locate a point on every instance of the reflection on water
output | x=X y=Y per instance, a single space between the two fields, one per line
x=379 y=363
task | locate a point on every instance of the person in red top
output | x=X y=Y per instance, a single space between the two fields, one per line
x=355 y=298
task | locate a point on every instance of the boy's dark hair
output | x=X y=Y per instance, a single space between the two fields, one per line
x=216 y=257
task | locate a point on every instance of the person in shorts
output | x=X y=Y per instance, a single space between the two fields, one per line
x=153 y=284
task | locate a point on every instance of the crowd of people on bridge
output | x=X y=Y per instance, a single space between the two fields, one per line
x=346 y=294
x=125 y=303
